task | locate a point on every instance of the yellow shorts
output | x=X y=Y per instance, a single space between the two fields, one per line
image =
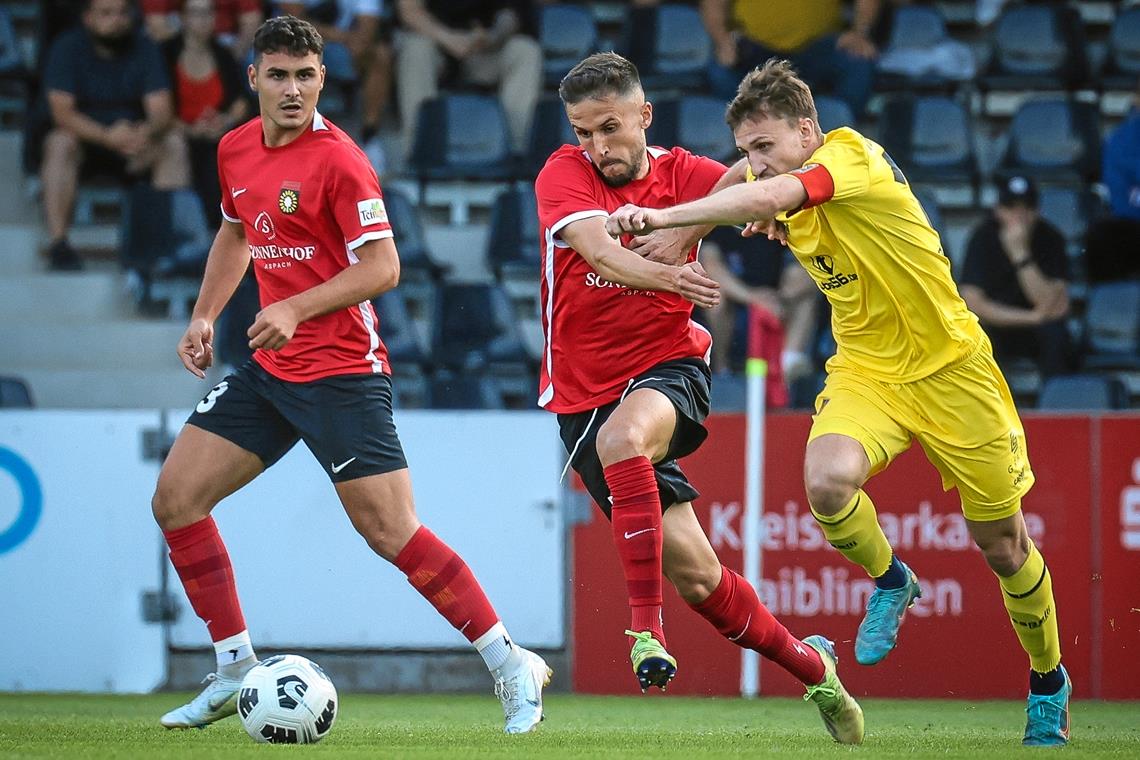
x=962 y=415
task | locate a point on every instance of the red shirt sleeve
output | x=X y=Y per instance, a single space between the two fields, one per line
x=566 y=191
x=159 y=7
x=817 y=180
x=229 y=210
x=697 y=174
x=355 y=198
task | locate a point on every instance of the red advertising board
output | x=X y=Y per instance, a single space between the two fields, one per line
x=957 y=641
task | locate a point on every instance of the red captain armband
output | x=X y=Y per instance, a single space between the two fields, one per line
x=816 y=179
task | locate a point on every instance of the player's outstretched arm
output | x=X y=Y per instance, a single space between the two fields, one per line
x=617 y=264
x=738 y=204
x=376 y=271
x=225 y=266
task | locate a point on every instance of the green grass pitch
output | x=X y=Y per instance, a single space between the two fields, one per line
x=452 y=727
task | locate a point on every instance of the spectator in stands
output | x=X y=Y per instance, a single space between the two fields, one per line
x=209 y=97
x=488 y=41
x=355 y=51
x=235 y=21
x=1112 y=250
x=1015 y=278
x=761 y=272
x=111 y=112
x=746 y=33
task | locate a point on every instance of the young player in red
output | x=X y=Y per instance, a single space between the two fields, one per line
x=301 y=200
x=626 y=371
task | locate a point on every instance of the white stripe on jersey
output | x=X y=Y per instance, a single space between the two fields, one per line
x=369 y=318
x=547 y=393
x=377 y=235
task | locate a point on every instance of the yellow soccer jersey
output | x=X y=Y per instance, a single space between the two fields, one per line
x=865 y=240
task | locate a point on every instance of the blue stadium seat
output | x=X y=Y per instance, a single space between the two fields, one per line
x=15 y=394
x=513 y=242
x=462 y=136
x=1122 y=69
x=1112 y=326
x=930 y=138
x=670 y=47
x=567 y=34
x=464 y=390
x=1083 y=392
x=914 y=28
x=475 y=327
x=1053 y=140
x=549 y=130
x=397 y=328
x=1037 y=47
x=11 y=57
x=696 y=123
x=409 y=386
x=408 y=232
x=1069 y=209
x=930 y=205
x=833 y=113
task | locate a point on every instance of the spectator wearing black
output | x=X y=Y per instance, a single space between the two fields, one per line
x=1015 y=278
x=209 y=97
x=1112 y=250
x=756 y=271
x=487 y=42
x=111 y=114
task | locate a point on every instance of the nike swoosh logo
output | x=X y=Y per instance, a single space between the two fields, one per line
x=216 y=704
x=629 y=535
x=235 y=192
x=338 y=467
x=534 y=703
x=747 y=623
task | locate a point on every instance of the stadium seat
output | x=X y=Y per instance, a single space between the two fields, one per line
x=462 y=136
x=549 y=130
x=1112 y=326
x=409 y=387
x=475 y=326
x=408 y=232
x=930 y=205
x=1039 y=47
x=696 y=123
x=11 y=58
x=930 y=138
x=513 y=243
x=1083 y=392
x=1053 y=140
x=465 y=390
x=1122 y=69
x=917 y=28
x=670 y=47
x=15 y=394
x=1069 y=209
x=567 y=34
x=833 y=113
x=399 y=331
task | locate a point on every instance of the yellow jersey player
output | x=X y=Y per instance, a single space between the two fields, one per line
x=911 y=363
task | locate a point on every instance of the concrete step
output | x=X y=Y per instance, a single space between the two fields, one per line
x=20 y=244
x=83 y=344
x=117 y=388
x=39 y=297
x=462 y=247
x=15 y=203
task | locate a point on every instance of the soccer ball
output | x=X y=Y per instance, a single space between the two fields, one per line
x=287 y=699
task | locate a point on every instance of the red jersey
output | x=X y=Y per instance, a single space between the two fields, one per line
x=306 y=206
x=601 y=334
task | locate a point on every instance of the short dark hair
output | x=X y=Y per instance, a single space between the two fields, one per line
x=287 y=34
x=774 y=90
x=597 y=76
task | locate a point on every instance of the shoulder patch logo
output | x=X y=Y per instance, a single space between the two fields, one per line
x=372 y=211
x=803 y=169
x=289 y=199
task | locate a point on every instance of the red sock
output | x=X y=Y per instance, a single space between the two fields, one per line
x=735 y=610
x=203 y=564
x=636 y=524
x=443 y=578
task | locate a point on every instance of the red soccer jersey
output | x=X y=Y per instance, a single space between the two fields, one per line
x=600 y=334
x=305 y=207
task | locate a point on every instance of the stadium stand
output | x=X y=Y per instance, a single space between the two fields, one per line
x=668 y=45
x=15 y=394
x=930 y=138
x=1122 y=68
x=1083 y=393
x=1053 y=140
x=833 y=113
x=448 y=147
x=567 y=34
x=695 y=122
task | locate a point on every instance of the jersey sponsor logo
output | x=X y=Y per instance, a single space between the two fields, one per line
x=264 y=224
x=372 y=211
x=295 y=252
x=826 y=265
x=595 y=280
x=289 y=199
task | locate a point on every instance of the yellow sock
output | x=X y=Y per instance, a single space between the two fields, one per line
x=855 y=532
x=1028 y=597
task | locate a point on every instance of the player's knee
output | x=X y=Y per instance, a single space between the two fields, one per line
x=385 y=538
x=618 y=443
x=694 y=584
x=1004 y=554
x=173 y=507
x=829 y=488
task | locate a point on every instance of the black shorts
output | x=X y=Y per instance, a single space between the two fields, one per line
x=685 y=382
x=346 y=420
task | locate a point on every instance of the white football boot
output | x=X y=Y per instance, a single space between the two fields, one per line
x=214 y=703
x=518 y=685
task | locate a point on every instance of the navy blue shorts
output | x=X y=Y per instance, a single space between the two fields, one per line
x=686 y=383
x=345 y=420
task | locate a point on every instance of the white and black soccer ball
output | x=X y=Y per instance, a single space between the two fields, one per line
x=287 y=699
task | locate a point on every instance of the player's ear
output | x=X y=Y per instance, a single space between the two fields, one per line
x=251 y=72
x=646 y=114
x=322 y=76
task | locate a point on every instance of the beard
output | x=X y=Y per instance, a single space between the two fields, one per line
x=623 y=179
